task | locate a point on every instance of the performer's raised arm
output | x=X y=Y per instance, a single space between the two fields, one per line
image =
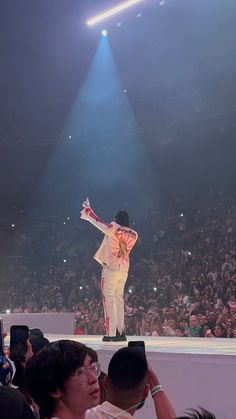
x=88 y=214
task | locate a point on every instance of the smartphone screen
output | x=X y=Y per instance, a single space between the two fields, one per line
x=18 y=347
x=139 y=344
x=1 y=344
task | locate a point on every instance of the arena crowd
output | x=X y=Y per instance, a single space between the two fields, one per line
x=182 y=279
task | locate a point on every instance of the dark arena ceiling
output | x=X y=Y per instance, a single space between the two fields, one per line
x=175 y=61
x=176 y=58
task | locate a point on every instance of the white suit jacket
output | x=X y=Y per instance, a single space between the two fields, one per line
x=117 y=244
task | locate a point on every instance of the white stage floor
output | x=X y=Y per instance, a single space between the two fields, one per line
x=172 y=345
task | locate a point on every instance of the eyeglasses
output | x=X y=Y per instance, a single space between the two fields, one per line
x=95 y=368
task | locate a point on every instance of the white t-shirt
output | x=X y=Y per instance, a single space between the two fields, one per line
x=107 y=410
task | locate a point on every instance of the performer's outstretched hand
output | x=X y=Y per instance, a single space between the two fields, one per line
x=86 y=203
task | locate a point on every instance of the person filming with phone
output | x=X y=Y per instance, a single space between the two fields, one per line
x=127 y=386
x=13 y=404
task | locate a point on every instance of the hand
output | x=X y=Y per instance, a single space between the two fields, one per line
x=29 y=352
x=152 y=378
x=86 y=203
x=187 y=332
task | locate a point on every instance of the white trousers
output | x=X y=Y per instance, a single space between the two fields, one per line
x=113 y=283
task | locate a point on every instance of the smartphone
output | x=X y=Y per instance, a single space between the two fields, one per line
x=1 y=344
x=138 y=344
x=18 y=346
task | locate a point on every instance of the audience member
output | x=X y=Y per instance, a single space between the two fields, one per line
x=62 y=380
x=127 y=386
x=13 y=405
x=200 y=414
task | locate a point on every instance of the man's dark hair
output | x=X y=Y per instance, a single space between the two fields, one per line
x=128 y=369
x=37 y=340
x=48 y=370
x=92 y=353
x=195 y=414
x=121 y=217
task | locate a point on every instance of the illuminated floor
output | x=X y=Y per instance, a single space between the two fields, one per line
x=174 y=345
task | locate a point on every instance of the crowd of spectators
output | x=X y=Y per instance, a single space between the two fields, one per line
x=182 y=280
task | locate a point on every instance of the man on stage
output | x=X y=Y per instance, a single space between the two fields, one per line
x=113 y=255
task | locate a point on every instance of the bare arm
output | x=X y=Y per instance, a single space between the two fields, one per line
x=163 y=406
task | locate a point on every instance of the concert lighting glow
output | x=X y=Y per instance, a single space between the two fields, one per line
x=104 y=32
x=111 y=12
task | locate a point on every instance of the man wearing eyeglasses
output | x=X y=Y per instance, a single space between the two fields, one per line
x=63 y=381
x=113 y=254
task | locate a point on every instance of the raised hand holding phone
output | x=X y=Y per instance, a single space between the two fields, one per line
x=19 y=336
x=86 y=203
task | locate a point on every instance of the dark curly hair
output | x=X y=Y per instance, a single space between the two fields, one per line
x=195 y=414
x=121 y=217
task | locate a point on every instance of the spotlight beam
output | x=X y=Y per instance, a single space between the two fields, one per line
x=111 y=12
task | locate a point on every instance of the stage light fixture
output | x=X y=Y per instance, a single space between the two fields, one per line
x=111 y=12
x=104 y=32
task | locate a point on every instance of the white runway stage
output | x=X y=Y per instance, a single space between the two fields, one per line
x=194 y=371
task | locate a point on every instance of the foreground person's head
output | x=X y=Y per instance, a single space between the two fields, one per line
x=127 y=379
x=62 y=380
x=13 y=404
x=198 y=414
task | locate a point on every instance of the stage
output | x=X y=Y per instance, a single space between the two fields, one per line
x=194 y=371
x=173 y=345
